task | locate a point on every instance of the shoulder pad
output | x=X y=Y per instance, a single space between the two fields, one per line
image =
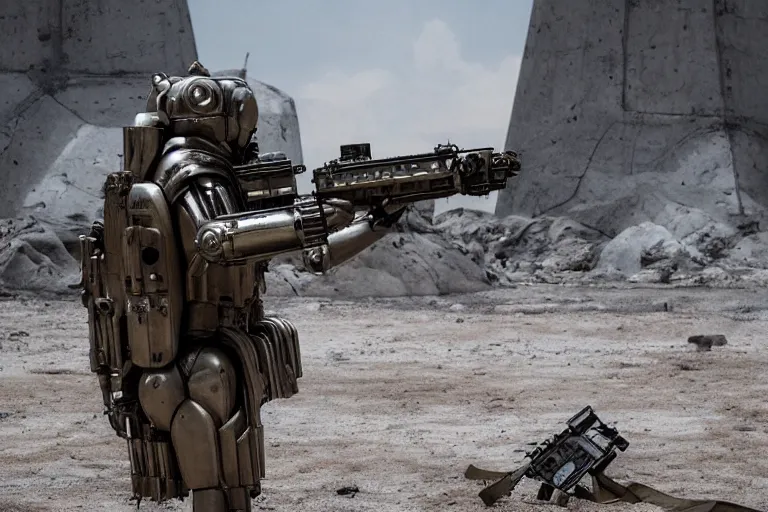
x=185 y=160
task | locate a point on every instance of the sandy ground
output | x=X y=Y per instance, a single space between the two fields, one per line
x=400 y=395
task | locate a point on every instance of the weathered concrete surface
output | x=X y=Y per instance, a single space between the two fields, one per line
x=107 y=37
x=72 y=74
x=627 y=107
x=278 y=128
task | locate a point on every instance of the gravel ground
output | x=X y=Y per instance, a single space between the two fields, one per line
x=400 y=395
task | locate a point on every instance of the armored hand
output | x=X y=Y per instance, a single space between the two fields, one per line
x=385 y=216
x=367 y=228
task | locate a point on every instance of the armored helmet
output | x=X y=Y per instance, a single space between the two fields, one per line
x=221 y=109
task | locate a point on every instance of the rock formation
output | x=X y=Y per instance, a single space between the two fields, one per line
x=632 y=111
x=643 y=131
x=72 y=74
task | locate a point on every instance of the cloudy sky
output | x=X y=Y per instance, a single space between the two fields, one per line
x=403 y=75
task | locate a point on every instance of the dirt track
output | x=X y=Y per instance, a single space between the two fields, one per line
x=399 y=396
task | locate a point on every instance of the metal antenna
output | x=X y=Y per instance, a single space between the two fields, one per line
x=245 y=64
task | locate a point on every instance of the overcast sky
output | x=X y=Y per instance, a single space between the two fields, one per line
x=403 y=75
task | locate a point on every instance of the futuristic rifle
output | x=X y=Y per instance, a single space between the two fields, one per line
x=269 y=181
x=447 y=171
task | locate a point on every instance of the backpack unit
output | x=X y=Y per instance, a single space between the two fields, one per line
x=131 y=278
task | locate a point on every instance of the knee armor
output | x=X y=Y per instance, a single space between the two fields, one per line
x=197 y=402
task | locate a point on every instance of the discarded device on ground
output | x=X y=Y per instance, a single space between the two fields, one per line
x=586 y=447
x=174 y=275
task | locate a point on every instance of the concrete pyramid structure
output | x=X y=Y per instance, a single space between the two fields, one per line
x=629 y=111
x=72 y=74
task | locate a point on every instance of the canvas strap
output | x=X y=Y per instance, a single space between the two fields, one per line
x=604 y=490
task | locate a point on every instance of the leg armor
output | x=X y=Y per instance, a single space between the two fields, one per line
x=200 y=403
x=212 y=409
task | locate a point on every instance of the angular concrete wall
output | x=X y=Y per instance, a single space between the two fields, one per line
x=72 y=74
x=625 y=107
x=96 y=37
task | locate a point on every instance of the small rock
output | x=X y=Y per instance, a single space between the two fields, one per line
x=705 y=342
x=749 y=228
x=457 y=307
x=561 y=498
x=459 y=320
x=348 y=491
x=337 y=356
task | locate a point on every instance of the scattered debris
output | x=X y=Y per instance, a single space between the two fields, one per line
x=337 y=357
x=705 y=342
x=55 y=371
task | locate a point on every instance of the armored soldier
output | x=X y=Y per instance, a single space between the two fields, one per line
x=173 y=278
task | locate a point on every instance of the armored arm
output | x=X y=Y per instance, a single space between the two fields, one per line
x=344 y=244
x=225 y=234
x=260 y=235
